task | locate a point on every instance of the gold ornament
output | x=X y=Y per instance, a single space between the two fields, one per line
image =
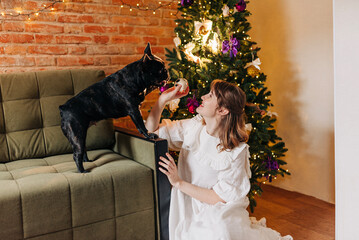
x=253 y=71
x=203 y=30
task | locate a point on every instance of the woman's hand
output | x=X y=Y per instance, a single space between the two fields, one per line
x=169 y=168
x=172 y=93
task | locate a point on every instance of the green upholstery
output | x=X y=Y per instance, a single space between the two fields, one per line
x=42 y=196
x=33 y=192
x=30 y=118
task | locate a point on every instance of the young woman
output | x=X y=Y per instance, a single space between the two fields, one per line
x=211 y=182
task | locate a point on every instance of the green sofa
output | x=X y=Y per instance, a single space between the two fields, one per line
x=42 y=196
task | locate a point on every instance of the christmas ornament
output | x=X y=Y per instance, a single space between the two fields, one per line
x=214 y=44
x=231 y=46
x=271 y=164
x=184 y=84
x=248 y=127
x=177 y=41
x=252 y=71
x=271 y=114
x=188 y=51
x=241 y=5
x=186 y=3
x=173 y=105
x=253 y=67
x=192 y=104
x=164 y=88
x=225 y=10
x=203 y=29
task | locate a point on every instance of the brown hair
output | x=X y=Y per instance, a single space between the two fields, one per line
x=231 y=97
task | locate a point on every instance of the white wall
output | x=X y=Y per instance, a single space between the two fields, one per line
x=346 y=54
x=296 y=38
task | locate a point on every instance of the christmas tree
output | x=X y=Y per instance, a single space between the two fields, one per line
x=213 y=43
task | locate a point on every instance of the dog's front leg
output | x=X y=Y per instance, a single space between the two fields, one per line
x=137 y=119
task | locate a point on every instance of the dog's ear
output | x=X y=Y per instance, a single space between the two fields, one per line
x=145 y=58
x=147 y=54
x=148 y=50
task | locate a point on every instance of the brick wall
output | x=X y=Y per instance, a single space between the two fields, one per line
x=96 y=34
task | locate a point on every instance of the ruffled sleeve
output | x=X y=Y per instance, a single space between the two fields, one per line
x=233 y=183
x=174 y=131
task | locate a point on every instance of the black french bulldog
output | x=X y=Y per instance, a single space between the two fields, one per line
x=117 y=95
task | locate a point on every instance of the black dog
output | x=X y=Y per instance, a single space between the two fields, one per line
x=117 y=95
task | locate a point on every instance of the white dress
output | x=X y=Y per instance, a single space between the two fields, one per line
x=226 y=172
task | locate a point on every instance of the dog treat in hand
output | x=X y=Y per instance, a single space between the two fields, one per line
x=183 y=82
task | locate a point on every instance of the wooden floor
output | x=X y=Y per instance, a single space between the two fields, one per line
x=301 y=216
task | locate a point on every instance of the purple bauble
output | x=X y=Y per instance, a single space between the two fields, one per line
x=225 y=46
x=164 y=88
x=186 y=3
x=241 y=5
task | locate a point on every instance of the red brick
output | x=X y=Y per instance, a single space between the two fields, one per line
x=46 y=17
x=76 y=19
x=15 y=49
x=22 y=38
x=102 y=50
x=14 y=26
x=126 y=39
x=101 y=39
x=5 y=38
x=73 y=28
x=73 y=39
x=102 y=61
x=45 y=61
x=25 y=61
x=101 y=19
x=131 y=2
x=2 y=51
x=166 y=41
x=56 y=50
x=76 y=50
x=126 y=30
x=126 y=11
x=74 y=61
x=75 y=7
x=123 y=60
x=82 y=1
x=151 y=40
x=98 y=9
x=153 y=31
x=140 y=21
x=100 y=29
x=30 y=5
x=126 y=49
x=167 y=14
x=7 y=61
x=155 y=50
x=168 y=22
x=47 y=28
x=60 y=7
x=44 y=38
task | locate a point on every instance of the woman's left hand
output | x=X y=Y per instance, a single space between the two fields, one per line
x=169 y=168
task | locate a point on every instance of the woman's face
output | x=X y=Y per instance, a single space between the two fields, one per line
x=208 y=107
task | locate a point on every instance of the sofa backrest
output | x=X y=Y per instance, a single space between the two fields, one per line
x=30 y=118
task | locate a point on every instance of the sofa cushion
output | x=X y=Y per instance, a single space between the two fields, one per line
x=30 y=118
x=115 y=187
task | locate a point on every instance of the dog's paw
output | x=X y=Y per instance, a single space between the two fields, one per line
x=152 y=136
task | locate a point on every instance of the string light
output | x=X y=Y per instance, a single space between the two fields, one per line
x=51 y=7
x=28 y=15
x=143 y=8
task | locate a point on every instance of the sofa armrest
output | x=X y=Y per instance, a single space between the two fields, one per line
x=135 y=146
